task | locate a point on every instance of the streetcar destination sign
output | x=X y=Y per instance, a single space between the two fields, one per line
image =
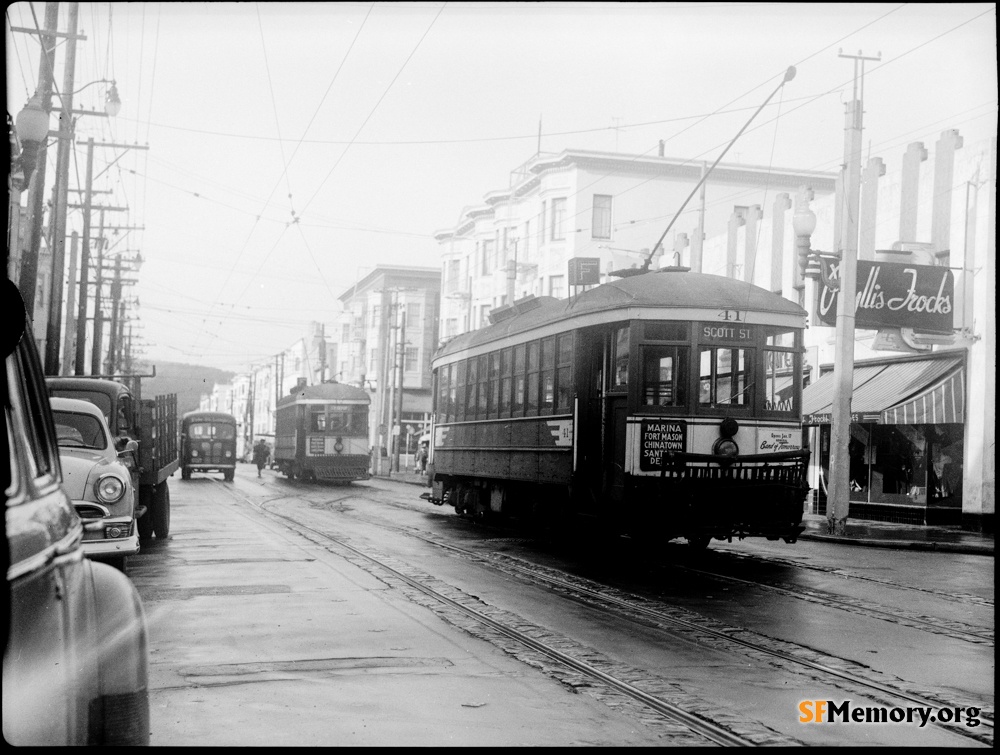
x=659 y=436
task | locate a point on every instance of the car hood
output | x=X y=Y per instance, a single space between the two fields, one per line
x=80 y=465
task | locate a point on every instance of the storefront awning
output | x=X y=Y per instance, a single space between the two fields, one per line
x=883 y=393
x=941 y=403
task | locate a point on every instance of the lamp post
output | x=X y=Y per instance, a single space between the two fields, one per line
x=32 y=129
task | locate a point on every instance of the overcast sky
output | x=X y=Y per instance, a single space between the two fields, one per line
x=293 y=146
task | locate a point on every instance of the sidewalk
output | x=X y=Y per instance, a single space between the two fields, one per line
x=859 y=532
x=901 y=536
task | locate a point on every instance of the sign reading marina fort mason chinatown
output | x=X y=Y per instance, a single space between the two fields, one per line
x=896 y=295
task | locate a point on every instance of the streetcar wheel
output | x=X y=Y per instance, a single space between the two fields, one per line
x=186 y=474
x=161 y=511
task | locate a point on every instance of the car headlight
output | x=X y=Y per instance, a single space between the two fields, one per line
x=110 y=489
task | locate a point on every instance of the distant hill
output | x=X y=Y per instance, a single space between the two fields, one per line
x=188 y=381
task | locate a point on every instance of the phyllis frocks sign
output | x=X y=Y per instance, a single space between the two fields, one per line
x=896 y=295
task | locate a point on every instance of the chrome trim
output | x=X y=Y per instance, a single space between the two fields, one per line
x=105 y=511
x=61 y=552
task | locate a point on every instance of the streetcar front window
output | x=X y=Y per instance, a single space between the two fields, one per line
x=317 y=419
x=723 y=379
x=665 y=371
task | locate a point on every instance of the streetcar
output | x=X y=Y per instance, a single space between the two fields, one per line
x=661 y=405
x=321 y=432
x=208 y=444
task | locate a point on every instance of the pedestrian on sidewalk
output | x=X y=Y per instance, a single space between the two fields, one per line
x=261 y=453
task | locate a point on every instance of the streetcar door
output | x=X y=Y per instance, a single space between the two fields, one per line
x=615 y=403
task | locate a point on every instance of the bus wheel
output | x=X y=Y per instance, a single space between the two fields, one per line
x=228 y=474
x=185 y=474
x=699 y=542
x=161 y=511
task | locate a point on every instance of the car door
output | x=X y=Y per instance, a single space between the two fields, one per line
x=46 y=664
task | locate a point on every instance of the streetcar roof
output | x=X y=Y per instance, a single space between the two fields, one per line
x=327 y=392
x=689 y=296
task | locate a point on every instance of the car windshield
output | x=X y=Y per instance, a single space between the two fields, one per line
x=75 y=430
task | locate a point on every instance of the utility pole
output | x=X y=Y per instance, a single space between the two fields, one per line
x=839 y=490
x=28 y=275
x=116 y=297
x=81 y=315
x=59 y=194
x=70 y=304
x=401 y=364
x=95 y=353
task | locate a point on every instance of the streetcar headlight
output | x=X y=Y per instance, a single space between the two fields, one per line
x=228 y=454
x=110 y=489
x=338 y=446
x=725 y=447
x=194 y=451
x=729 y=427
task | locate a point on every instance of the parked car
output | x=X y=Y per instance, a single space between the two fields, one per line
x=75 y=665
x=98 y=480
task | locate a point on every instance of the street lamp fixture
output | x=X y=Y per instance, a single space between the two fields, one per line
x=812 y=263
x=112 y=102
x=32 y=126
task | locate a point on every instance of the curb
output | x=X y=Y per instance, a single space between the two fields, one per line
x=914 y=545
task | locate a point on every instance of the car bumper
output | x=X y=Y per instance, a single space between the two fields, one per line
x=95 y=543
x=209 y=467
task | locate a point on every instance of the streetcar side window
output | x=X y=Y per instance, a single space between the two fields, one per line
x=619 y=358
x=564 y=372
x=531 y=406
x=519 y=380
x=506 y=380
x=548 y=375
x=460 y=391
x=664 y=371
x=483 y=372
x=724 y=377
x=782 y=364
x=494 y=394
x=452 y=391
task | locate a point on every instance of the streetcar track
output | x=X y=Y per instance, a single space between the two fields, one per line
x=702 y=726
x=953 y=629
x=600 y=597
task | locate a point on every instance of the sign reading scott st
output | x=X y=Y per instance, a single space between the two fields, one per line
x=896 y=295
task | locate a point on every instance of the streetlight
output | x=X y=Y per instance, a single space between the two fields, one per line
x=32 y=126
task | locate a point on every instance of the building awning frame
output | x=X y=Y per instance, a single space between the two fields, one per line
x=901 y=392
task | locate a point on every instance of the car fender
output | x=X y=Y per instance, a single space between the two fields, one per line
x=120 y=714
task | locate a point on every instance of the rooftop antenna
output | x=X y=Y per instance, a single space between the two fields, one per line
x=789 y=75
